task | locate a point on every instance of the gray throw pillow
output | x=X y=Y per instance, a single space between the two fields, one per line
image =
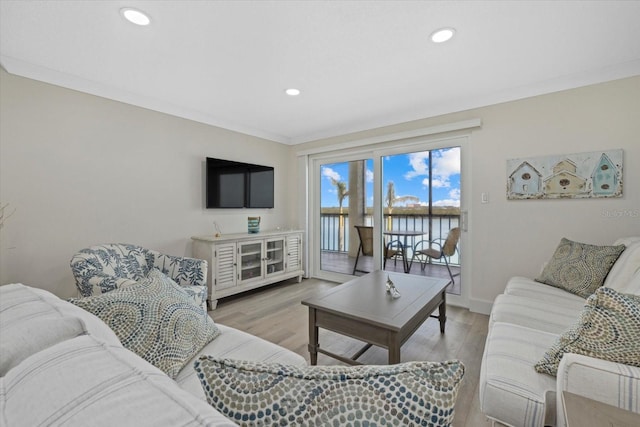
x=155 y=319
x=255 y=393
x=608 y=329
x=579 y=268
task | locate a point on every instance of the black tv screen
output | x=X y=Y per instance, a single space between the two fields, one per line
x=260 y=187
x=231 y=184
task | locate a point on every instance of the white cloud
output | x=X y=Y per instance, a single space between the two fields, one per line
x=440 y=183
x=446 y=163
x=447 y=202
x=330 y=173
x=368 y=175
x=419 y=163
x=454 y=199
x=437 y=183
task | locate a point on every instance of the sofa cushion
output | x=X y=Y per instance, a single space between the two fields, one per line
x=626 y=268
x=608 y=329
x=511 y=391
x=235 y=344
x=579 y=268
x=30 y=324
x=33 y=319
x=86 y=382
x=547 y=316
x=633 y=287
x=155 y=319
x=254 y=393
x=24 y=339
x=541 y=293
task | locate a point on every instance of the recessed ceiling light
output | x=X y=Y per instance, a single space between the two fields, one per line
x=442 y=35
x=292 y=92
x=135 y=16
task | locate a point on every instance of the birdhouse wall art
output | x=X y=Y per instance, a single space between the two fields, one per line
x=595 y=174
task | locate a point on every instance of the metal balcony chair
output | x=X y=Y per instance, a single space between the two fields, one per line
x=392 y=249
x=438 y=249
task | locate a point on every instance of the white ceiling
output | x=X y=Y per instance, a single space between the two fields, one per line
x=359 y=64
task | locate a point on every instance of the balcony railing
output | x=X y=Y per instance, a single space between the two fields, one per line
x=440 y=226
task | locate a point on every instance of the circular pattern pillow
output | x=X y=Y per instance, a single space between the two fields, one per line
x=155 y=319
x=255 y=393
x=579 y=268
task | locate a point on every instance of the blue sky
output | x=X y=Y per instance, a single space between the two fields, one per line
x=410 y=175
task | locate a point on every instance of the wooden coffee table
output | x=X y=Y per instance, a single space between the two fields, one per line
x=362 y=309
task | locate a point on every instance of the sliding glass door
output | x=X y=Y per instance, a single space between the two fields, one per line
x=421 y=204
x=346 y=201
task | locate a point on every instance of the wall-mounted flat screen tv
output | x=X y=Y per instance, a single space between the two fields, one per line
x=232 y=184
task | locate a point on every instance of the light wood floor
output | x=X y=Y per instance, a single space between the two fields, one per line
x=275 y=314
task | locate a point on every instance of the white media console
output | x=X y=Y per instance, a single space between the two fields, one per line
x=239 y=262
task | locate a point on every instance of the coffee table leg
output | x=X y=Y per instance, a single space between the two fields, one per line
x=394 y=350
x=313 y=337
x=442 y=312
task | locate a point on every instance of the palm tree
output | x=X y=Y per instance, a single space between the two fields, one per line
x=392 y=199
x=341 y=188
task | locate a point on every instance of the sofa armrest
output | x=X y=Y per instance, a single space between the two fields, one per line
x=191 y=273
x=607 y=382
x=184 y=270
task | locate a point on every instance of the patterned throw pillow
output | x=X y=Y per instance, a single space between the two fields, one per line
x=155 y=319
x=255 y=393
x=579 y=268
x=608 y=329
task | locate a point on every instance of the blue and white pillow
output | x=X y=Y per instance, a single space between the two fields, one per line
x=255 y=393
x=156 y=319
x=608 y=329
x=579 y=268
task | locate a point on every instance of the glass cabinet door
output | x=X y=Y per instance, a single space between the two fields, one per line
x=250 y=260
x=275 y=256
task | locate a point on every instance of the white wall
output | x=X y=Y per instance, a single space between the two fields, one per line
x=516 y=237
x=82 y=170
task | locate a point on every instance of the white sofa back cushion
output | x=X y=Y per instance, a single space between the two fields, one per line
x=33 y=319
x=20 y=304
x=627 y=266
x=634 y=284
x=86 y=382
x=24 y=339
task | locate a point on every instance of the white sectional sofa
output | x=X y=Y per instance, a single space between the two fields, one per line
x=526 y=320
x=61 y=365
